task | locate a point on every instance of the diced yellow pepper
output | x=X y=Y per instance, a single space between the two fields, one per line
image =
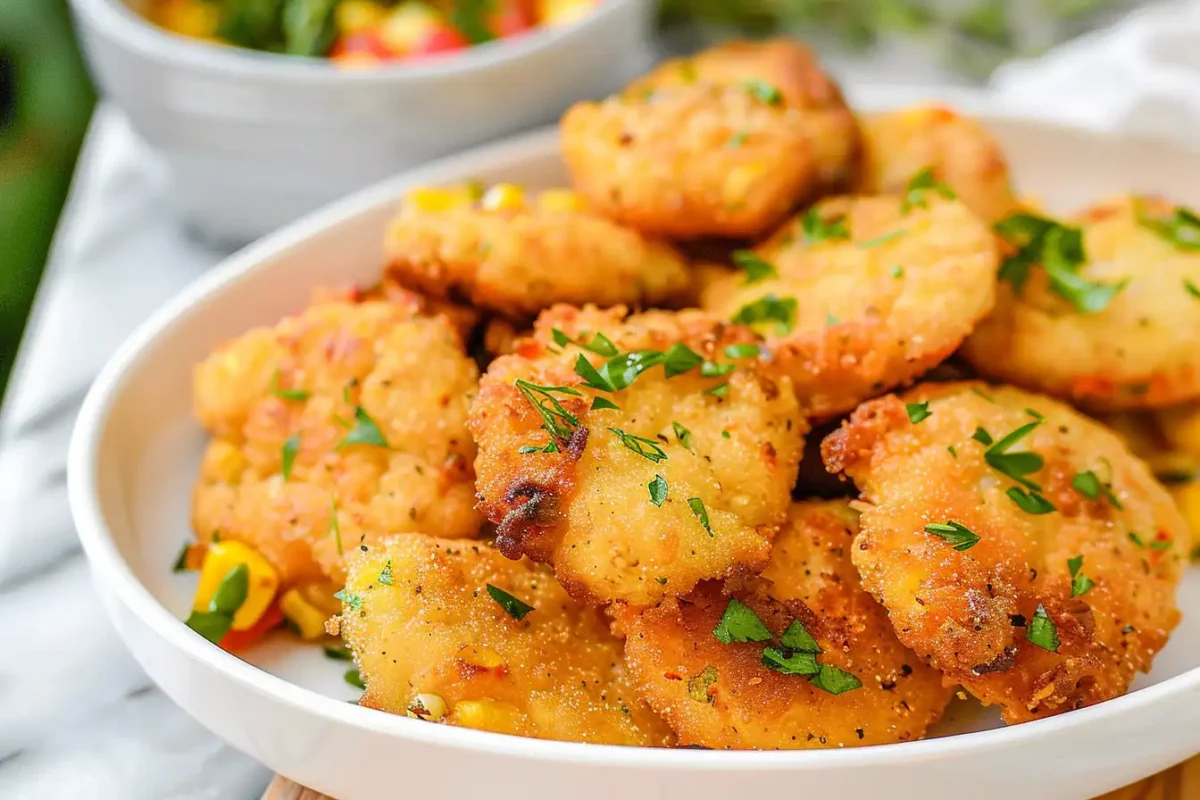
x=503 y=197
x=307 y=617
x=408 y=26
x=352 y=16
x=1187 y=497
x=1181 y=426
x=560 y=200
x=193 y=18
x=487 y=715
x=222 y=558
x=563 y=12
x=434 y=199
x=321 y=596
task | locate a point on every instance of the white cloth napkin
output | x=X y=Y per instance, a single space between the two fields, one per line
x=78 y=718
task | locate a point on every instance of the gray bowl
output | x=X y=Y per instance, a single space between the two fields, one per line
x=254 y=140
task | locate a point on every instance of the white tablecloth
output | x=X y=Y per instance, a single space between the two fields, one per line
x=78 y=719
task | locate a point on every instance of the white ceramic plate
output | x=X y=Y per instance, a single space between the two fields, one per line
x=136 y=450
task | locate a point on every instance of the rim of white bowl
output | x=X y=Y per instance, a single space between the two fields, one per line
x=114 y=575
x=118 y=21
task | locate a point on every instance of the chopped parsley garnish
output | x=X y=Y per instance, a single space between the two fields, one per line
x=764 y=92
x=719 y=391
x=182 y=559
x=1059 y=249
x=697 y=685
x=600 y=344
x=287 y=394
x=680 y=359
x=620 y=371
x=955 y=533
x=897 y=271
x=604 y=404
x=1041 y=631
x=1015 y=465
x=1161 y=544
x=743 y=351
x=1080 y=583
x=982 y=436
x=1138 y=540
x=884 y=239
x=726 y=435
x=1091 y=487
x=922 y=182
x=646 y=448
x=756 y=268
x=470 y=17
x=918 y=412
x=831 y=320
x=710 y=369
x=557 y=421
x=338 y=653
x=528 y=448
x=365 y=431
x=354 y=678
x=780 y=310
x=1181 y=229
x=950 y=449
x=658 y=490
x=817 y=229
x=797 y=638
x=1191 y=288
x=736 y=141
x=514 y=607
x=799 y=663
x=353 y=601
x=288 y=455
x=739 y=623
x=229 y=596
x=835 y=680
x=1030 y=502
x=335 y=528
x=697 y=507
x=682 y=434
x=385 y=574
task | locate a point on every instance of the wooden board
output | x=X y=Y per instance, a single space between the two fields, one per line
x=1178 y=783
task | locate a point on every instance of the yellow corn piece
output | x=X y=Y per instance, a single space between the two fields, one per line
x=352 y=16
x=503 y=197
x=222 y=558
x=560 y=200
x=487 y=715
x=307 y=617
x=408 y=26
x=429 y=707
x=1181 y=426
x=480 y=657
x=1187 y=497
x=321 y=596
x=441 y=198
x=193 y=18
x=563 y=12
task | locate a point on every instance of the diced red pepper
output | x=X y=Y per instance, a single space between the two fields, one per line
x=442 y=39
x=237 y=641
x=361 y=44
x=510 y=20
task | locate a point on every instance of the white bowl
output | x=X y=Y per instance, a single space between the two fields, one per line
x=254 y=140
x=135 y=453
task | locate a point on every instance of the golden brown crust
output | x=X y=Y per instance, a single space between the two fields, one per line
x=431 y=627
x=1139 y=352
x=690 y=151
x=410 y=377
x=872 y=311
x=969 y=610
x=671 y=650
x=958 y=150
x=519 y=262
x=587 y=507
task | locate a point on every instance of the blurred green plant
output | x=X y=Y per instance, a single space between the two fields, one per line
x=45 y=102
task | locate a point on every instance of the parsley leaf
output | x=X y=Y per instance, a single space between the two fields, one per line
x=884 y=239
x=354 y=678
x=955 y=533
x=470 y=18
x=182 y=560
x=756 y=268
x=918 y=412
x=604 y=404
x=646 y=448
x=1091 y=487
x=620 y=371
x=680 y=359
x=781 y=311
x=557 y=421
x=763 y=91
x=1138 y=540
x=710 y=369
x=922 y=182
x=658 y=490
x=835 y=680
x=982 y=436
x=790 y=663
x=1041 y=630
x=817 y=229
x=797 y=638
x=1181 y=229
x=335 y=527
x=338 y=653
x=365 y=431
x=697 y=507
x=736 y=141
x=682 y=434
x=288 y=456
x=1030 y=502
x=1015 y=465
x=1062 y=255
x=600 y=345
x=897 y=271
x=516 y=608
x=287 y=394
x=353 y=601
x=228 y=597
x=719 y=391
x=1080 y=583
x=739 y=623
x=385 y=574
x=742 y=351
x=1191 y=288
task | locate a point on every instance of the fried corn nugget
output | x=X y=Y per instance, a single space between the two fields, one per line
x=1015 y=543
x=958 y=151
x=721 y=144
x=336 y=426
x=686 y=478
x=518 y=258
x=862 y=294
x=724 y=696
x=453 y=631
x=1120 y=331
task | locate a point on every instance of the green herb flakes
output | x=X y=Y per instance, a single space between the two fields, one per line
x=365 y=431
x=797 y=638
x=604 y=404
x=835 y=680
x=1080 y=583
x=658 y=490
x=918 y=412
x=1191 y=288
x=335 y=528
x=756 y=268
x=646 y=448
x=1090 y=486
x=982 y=436
x=600 y=344
x=915 y=195
x=351 y=600
x=181 y=560
x=955 y=533
x=897 y=272
x=880 y=240
x=354 y=678
x=338 y=653
x=710 y=369
x=739 y=623
x=385 y=574
x=769 y=309
x=817 y=229
x=514 y=607
x=556 y=420
x=1182 y=228
x=1041 y=631
x=680 y=359
x=791 y=663
x=288 y=455
x=228 y=597
x=682 y=434
x=1015 y=465
x=742 y=351
x=701 y=513
x=764 y=92
x=286 y=394
x=697 y=685
x=1030 y=502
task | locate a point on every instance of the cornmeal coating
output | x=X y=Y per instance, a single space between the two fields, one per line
x=1048 y=578
x=722 y=452
x=724 y=143
x=420 y=615
x=723 y=696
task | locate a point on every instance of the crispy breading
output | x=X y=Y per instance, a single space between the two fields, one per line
x=518 y=262
x=721 y=144
x=881 y=293
x=421 y=621
x=727 y=459
x=1138 y=352
x=292 y=391
x=971 y=608
x=723 y=696
x=956 y=149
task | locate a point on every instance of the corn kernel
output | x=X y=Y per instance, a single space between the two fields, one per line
x=193 y=18
x=434 y=199
x=429 y=707
x=222 y=558
x=503 y=197
x=554 y=13
x=560 y=200
x=1187 y=497
x=487 y=715
x=1181 y=426
x=321 y=595
x=480 y=657
x=408 y=26
x=304 y=615
x=353 y=16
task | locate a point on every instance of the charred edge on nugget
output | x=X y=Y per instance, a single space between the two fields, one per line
x=999 y=664
x=536 y=510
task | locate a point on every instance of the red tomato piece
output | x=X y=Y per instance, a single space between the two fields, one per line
x=442 y=39
x=361 y=43
x=237 y=641
x=511 y=19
